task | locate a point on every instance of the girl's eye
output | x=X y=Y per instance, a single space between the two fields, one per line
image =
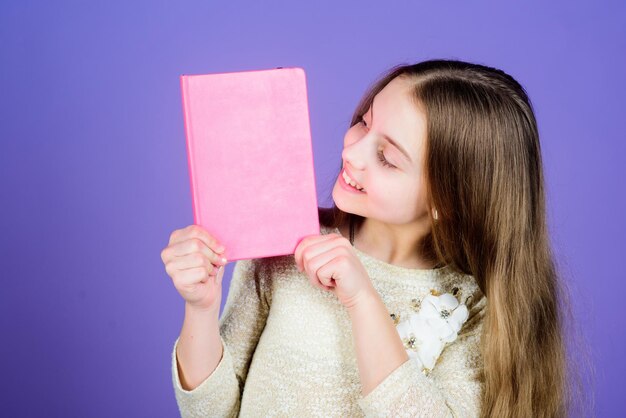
x=381 y=156
x=383 y=160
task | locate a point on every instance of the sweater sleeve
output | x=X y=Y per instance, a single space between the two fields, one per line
x=452 y=389
x=241 y=325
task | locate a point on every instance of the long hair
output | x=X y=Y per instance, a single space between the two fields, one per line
x=483 y=174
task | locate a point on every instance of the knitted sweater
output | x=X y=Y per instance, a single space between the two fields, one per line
x=289 y=349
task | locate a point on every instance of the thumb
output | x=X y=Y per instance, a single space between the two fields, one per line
x=219 y=275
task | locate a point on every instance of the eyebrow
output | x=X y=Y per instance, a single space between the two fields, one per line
x=391 y=141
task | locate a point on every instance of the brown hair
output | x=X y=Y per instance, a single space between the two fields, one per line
x=483 y=173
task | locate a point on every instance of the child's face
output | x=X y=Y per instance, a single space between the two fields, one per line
x=392 y=194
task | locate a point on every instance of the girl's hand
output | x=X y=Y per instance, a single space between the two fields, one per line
x=332 y=264
x=194 y=262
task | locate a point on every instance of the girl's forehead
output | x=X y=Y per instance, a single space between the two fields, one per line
x=398 y=119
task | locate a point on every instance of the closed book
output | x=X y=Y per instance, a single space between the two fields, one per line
x=250 y=159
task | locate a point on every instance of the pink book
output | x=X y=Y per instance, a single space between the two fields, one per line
x=250 y=159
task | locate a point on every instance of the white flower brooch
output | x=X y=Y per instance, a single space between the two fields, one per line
x=436 y=323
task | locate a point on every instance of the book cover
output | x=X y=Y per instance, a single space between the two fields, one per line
x=250 y=159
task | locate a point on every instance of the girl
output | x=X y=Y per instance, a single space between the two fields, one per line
x=431 y=290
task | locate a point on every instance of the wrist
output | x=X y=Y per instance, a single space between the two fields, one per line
x=364 y=302
x=198 y=312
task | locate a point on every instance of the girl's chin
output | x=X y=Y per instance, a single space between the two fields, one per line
x=341 y=201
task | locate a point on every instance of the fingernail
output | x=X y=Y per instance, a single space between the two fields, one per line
x=224 y=260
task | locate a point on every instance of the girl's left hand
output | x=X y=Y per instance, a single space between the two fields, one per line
x=331 y=263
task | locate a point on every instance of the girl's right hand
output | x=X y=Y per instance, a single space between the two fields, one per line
x=193 y=261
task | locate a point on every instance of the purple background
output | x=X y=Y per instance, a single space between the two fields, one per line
x=94 y=170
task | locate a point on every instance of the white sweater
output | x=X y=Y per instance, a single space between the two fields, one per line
x=290 y=353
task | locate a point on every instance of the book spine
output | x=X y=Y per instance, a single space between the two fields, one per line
x=184 y=88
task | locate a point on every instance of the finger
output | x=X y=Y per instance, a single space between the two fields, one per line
x=192 y=276
x=297 y=255
x=219 y=275
x=314 y=249
x=193 y=245
x=212 y=242
x=323 y=260
x=324 y=286
x=190 y=261
x=179 y=235
x=317 y=284
x=303 y=244
x=326 y=273
x=197 y=231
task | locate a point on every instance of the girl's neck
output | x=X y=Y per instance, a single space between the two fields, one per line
x=389 y=244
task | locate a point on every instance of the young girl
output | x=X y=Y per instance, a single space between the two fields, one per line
x=431 y=290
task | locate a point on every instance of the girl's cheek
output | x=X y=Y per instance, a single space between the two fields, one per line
x=349 y=139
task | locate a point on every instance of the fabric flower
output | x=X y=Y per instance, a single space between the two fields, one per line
x=426 y=332
x=421 y=344
x=444 y=315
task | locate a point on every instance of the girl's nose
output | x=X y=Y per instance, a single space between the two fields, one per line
x=351 y=159
x=352 y=154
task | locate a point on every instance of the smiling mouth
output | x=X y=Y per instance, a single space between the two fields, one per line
x=347 y=180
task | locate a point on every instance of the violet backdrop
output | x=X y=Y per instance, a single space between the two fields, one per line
x=94 y=171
